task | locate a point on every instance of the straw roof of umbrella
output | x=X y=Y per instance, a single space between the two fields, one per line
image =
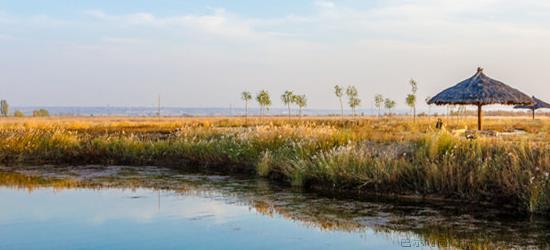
x=481 y=90
x=539 y=104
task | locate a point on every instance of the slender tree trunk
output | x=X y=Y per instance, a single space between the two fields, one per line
x=261 y=112
x=414 y=114
x=479 y=116
x=300 y=113
x=288 y=112
x=245 y=113
x=533 y=111
x=341 y=110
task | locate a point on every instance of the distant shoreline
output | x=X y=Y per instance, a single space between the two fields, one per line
x=237 y=112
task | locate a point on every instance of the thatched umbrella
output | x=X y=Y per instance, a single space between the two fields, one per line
x=480 y=90
x=539 y=104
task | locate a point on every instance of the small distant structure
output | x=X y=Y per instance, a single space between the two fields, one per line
x=480 y=90
x=539 y=104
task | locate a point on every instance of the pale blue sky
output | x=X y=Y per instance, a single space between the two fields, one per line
x=204 y=53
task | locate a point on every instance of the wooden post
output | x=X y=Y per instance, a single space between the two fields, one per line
x=479 y=116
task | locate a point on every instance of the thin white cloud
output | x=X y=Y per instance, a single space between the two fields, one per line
x=325 y=4
x=219 y=23
x=410 y=21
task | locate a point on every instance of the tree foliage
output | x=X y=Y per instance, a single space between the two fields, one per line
x=378 y=102
x=300 y=101
x=40 y=113
x=18 y=113
x=288 y=98
x=264 y=100
x=339 y=92
x=411 y=98
x=389 y=104
x=353 y=98
x=4 y=108
x=246 y=96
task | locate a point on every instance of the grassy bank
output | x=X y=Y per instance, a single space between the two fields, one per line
x=369 y=155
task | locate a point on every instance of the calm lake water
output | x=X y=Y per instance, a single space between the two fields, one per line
x=155 y=208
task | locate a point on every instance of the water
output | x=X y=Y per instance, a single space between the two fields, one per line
x=155 y=208
x=236 y=110
x=182 y=111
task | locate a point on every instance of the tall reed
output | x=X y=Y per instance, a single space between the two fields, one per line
x=370 y=155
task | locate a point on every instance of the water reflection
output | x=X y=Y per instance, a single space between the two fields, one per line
x=242 y=208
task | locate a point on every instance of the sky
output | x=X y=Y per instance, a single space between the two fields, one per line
x=204 y=53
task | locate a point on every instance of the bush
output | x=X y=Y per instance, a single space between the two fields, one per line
x=40 y=113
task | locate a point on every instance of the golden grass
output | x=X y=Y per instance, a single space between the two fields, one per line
x=388 y=155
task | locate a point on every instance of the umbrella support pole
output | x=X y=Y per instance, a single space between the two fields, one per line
x=479 y=116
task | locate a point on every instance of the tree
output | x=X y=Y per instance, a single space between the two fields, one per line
x=4 y=108
x=354 y=100
x=264 y=101
x=389 y=104
x=339 y=91
x=288 y=98
x=411 y=98
x=378 y=102
x=18 y=113
x=246 y=97
x=301 y=101
x=40 y=113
